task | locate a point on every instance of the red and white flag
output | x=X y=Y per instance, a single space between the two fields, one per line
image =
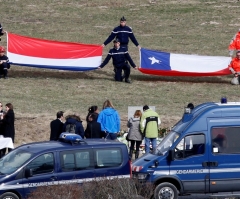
x=40 y=53
x=169 y=64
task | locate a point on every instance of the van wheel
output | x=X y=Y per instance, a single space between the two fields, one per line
x=166 y=191
x=9 y=195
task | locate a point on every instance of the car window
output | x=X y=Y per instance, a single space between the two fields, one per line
x=75 y=160
x=108 y=157
x=189 y=146
x=42 y=164
x=225 y=140
x=14 y=160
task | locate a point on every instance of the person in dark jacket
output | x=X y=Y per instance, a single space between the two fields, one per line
x=120 y=57
x=123 y=33
x=91 y=110
x=75 y=123
x=93 y=129
x=56 y=126
x=8 y=123
x=4 y=63
x=1 y=31
x=1 y=122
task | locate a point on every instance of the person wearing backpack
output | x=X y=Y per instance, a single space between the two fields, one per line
x=73 y=124
x=109 y=120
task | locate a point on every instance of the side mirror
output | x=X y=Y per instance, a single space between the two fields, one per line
x=28 y=173
x=171 y=155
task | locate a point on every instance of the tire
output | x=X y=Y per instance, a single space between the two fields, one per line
x=9 y=195
x=165 y=191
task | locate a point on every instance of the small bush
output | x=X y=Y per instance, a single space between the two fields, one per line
x=99 y=188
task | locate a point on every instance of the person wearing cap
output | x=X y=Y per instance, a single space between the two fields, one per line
x=149 y=123
x=234 y=67
x=120 y=58
x=234 y=44
x=1 y=31
x=122 y=33
x=56 y=126
x=4 y=63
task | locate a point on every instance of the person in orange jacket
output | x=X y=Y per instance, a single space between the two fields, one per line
x=234 y=44
x=234 y=67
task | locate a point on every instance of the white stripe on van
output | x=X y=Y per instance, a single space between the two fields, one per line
x=60 y=182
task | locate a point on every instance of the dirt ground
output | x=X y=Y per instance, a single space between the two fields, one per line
x=36 y=129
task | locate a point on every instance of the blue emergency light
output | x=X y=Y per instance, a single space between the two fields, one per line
x=70 y=137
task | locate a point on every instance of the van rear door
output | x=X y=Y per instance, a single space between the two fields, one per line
x=224 y=156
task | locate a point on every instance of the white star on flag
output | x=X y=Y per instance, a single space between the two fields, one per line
x=154 y=60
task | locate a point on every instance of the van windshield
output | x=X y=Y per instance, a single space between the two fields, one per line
x=166 y=143
x=13 y=161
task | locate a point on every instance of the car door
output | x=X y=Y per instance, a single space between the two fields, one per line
x=188 y=164
x=76 y=166
x=43 y=172
x=224 y=157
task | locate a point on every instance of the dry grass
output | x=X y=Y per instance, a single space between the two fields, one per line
x=183 y=26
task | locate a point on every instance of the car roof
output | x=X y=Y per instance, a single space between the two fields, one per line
x=40 y=147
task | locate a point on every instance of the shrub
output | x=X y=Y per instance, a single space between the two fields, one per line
x=99 y=188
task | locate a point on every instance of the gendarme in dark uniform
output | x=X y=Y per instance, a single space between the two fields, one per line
x=122 y=33
x=120 y=58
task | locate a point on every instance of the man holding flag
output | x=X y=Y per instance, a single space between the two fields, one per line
x=122 y=33
x=120 y=56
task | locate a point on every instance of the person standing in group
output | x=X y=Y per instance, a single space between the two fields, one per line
x=56 y=126
x=149 y=123
x=234 y=44
x=8 y=123
x=4 y=63
x=119 y=56
x=93 y=129
x=73 y=124
x=109 y=120
x=2 y=151
x=122 y=33
x=91 y=110
x=134 y=134
x=2 y=32
x=234 y=67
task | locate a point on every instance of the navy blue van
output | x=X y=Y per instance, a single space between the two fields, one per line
x=201 y=154
x=60 y=162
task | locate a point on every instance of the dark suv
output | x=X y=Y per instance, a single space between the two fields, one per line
x=61 y=162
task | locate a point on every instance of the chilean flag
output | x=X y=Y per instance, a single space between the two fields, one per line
x=42 y=53
x=169 y=64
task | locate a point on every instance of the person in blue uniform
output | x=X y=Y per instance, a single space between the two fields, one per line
x=122 y=33
x=120 y=58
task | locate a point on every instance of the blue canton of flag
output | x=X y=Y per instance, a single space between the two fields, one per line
x=154 y=60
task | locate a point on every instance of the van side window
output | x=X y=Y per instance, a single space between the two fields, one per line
x=108 y=157
x=190 y=145
x=225 y=140
x=42 y=164
x=75 y=160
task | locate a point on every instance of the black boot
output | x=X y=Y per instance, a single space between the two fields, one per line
x=136 y=154
x=130 y=154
